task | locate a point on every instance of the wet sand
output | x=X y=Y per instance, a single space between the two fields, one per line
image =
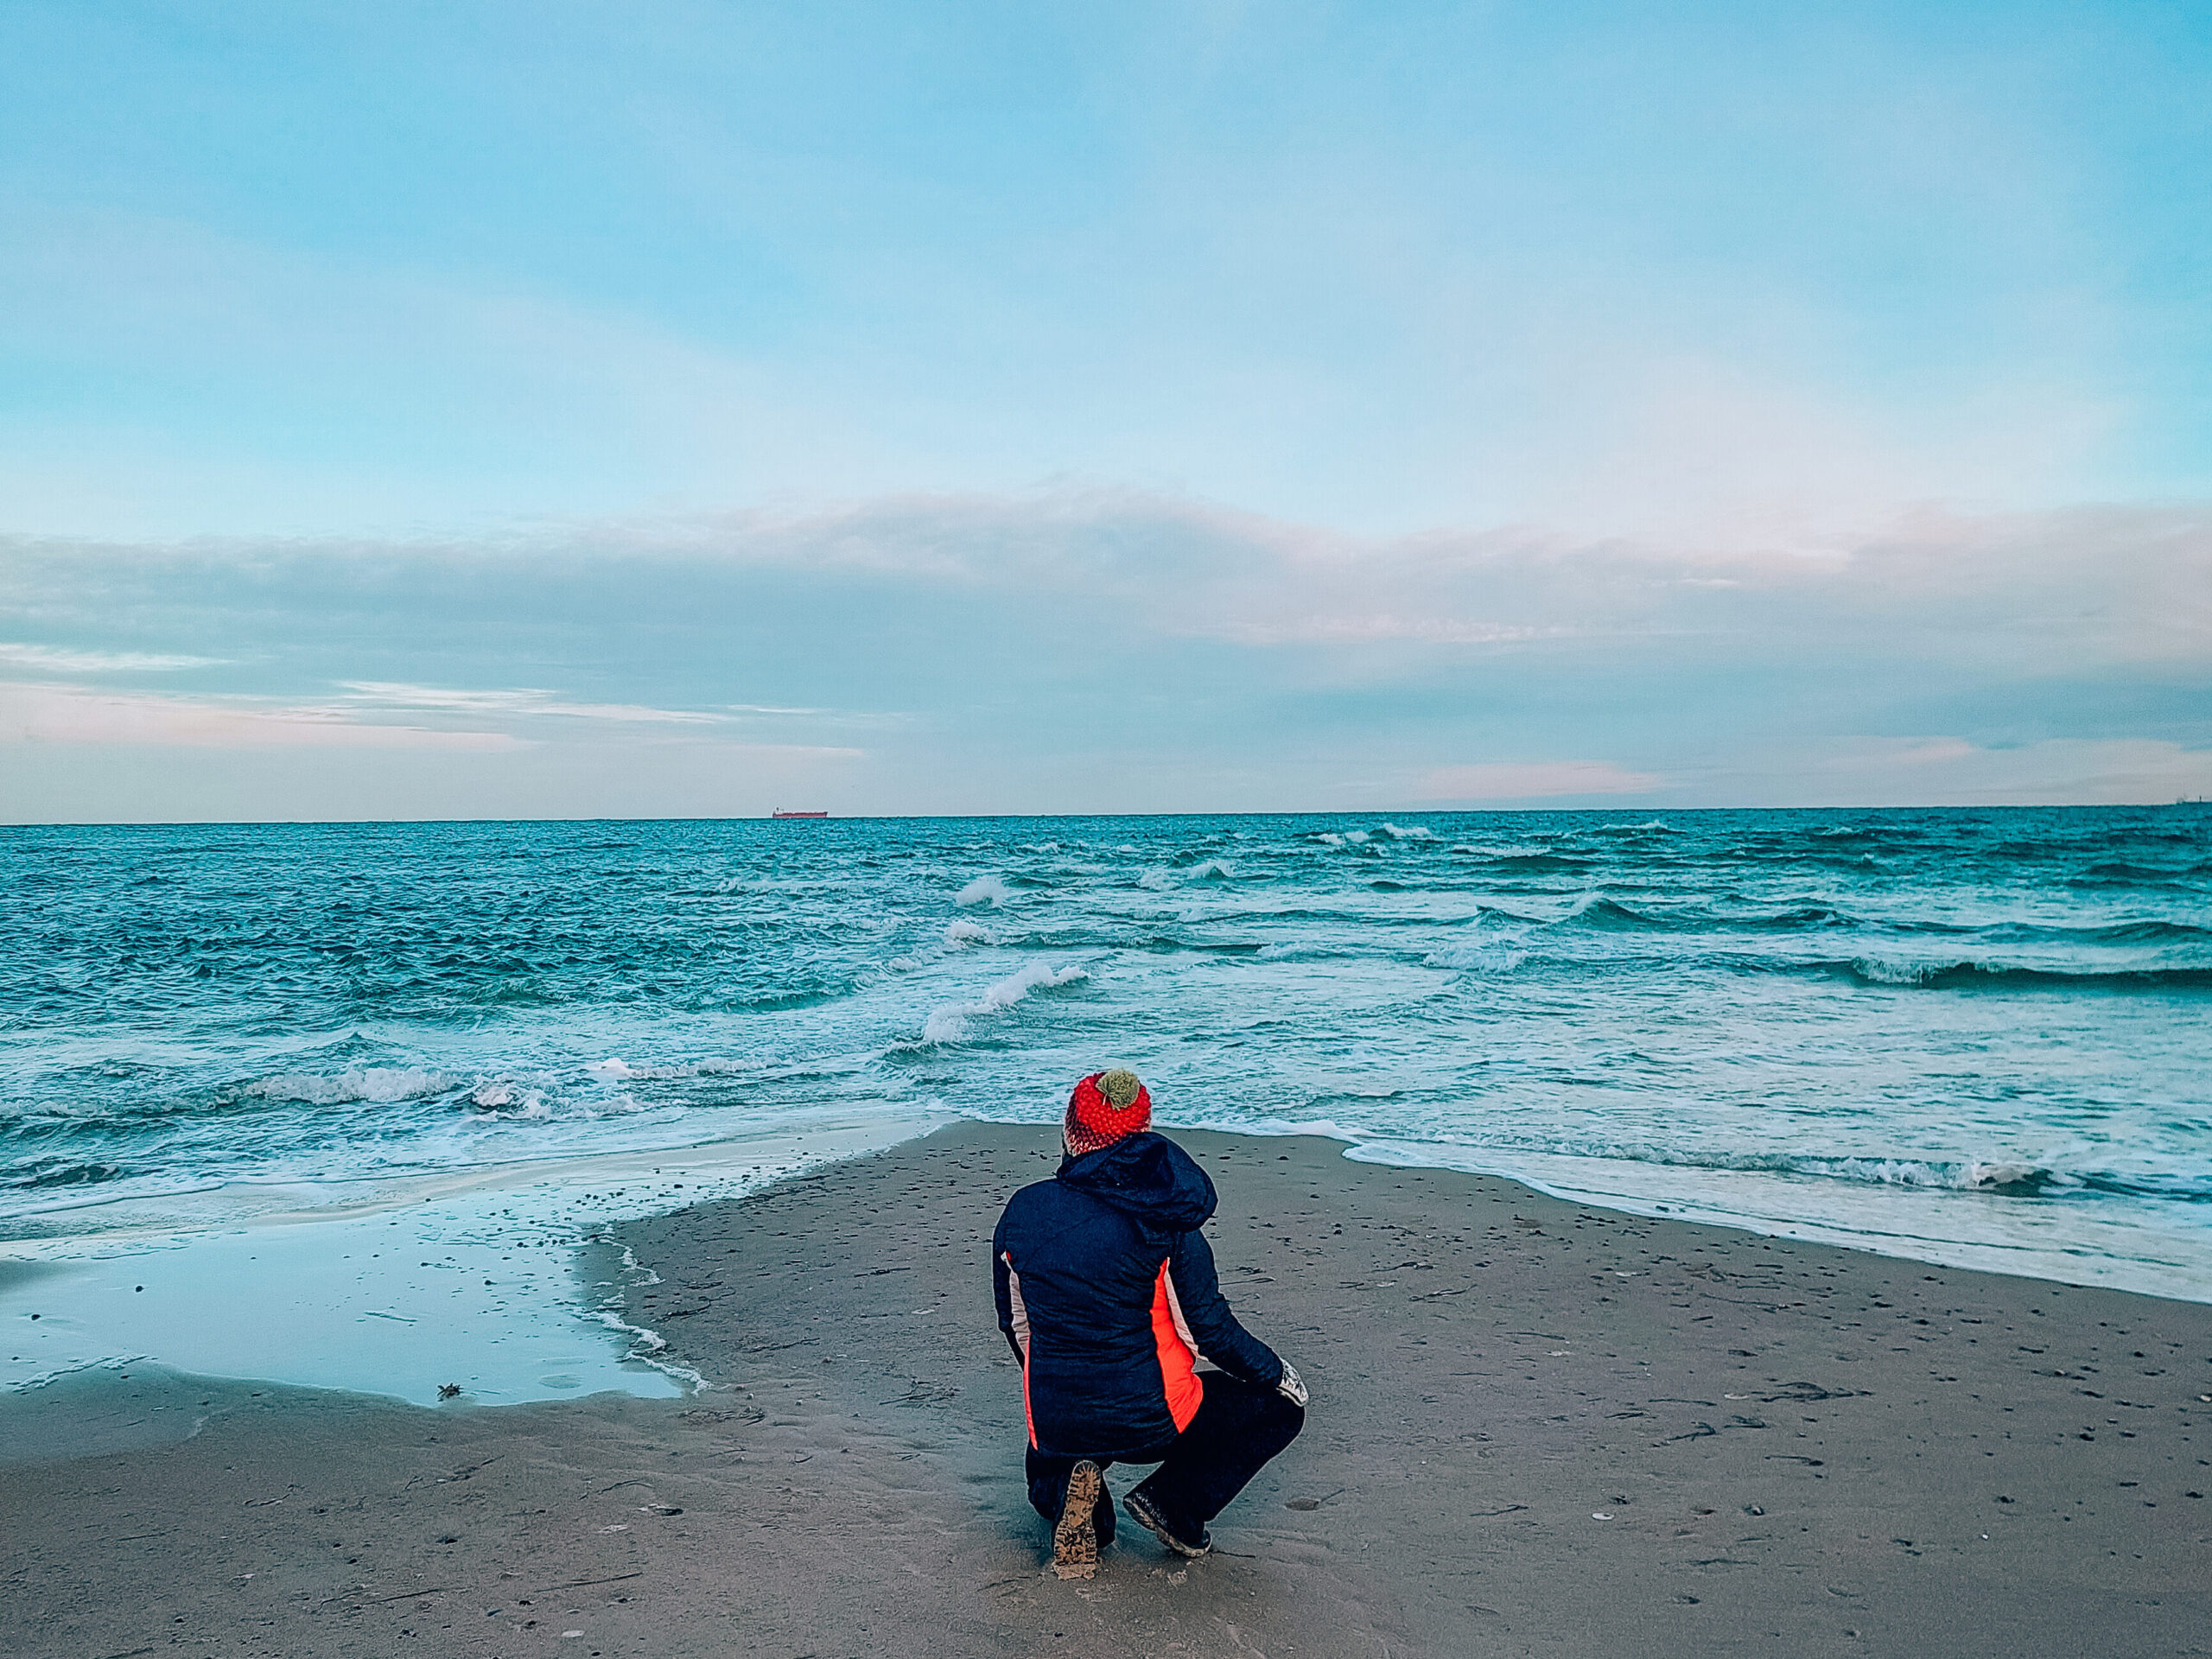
x=1537 y=1429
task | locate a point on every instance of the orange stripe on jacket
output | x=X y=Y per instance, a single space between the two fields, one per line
x=1177 y=1366
x=1021 y=1337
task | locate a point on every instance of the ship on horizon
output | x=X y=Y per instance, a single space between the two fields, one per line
x=780 y=813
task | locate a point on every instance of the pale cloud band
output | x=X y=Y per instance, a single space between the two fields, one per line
x=37 y=713
x=51 y=660
x=1095 y=651
x=74 y=714
x=1529 y=781
x=519 y=702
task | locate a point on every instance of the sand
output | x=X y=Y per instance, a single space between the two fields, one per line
x=1536 y=1429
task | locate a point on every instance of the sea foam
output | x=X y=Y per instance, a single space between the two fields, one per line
x=949 y=1025
x=985 y=890
x=378 y=1085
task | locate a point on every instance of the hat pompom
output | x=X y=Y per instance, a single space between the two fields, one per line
x=1121 y=1088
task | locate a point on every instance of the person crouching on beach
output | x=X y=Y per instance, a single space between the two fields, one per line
x=1106 y=1290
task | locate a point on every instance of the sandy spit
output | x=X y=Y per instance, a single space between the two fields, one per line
x=1537 y=1429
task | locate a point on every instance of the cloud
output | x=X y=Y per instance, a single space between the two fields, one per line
x=49 y=659
x=67 y=715
x=1104 y=650
x=2087 y=584
x=1532 y=780
x=1711 y=452
x=1377 y=628
x=1951 y=772
x=519 y=702
x=2083 y=587
x=74 y=714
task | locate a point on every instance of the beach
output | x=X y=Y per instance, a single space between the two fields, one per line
x=1537 y=1428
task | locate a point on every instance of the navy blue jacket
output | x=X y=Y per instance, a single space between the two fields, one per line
x=1106 y=1289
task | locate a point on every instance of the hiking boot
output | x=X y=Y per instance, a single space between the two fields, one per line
x=1149 y=1515
x=1075 y=1535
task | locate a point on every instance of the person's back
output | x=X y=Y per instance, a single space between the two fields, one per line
x=1107 y=1291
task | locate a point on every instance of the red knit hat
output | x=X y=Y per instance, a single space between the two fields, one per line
x=1105 y=1107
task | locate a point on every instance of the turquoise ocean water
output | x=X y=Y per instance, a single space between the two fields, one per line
x=1975 y=1036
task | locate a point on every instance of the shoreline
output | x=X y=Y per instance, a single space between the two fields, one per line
x=1539 y=1428
x=518 y=1197
x=2018 y=1256
x=399 y=1287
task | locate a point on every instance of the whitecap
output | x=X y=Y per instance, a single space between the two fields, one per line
x=985 y=890
x=1969 y=1175
x=502 y=1097
x=377 y=1085
x=965 y=933
x=2010 y=1174
x=1890 y=971
x=1484 y=958
x=1409 y=832
x=1475 y=951
x=949 y=1024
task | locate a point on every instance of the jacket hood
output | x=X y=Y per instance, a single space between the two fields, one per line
x=1147 y=1176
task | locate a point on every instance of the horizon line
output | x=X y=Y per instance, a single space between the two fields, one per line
x=931 y=817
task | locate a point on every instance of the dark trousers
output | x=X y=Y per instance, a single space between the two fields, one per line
x=1238 y=1427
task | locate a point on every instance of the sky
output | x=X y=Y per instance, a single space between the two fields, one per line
x=667 y=409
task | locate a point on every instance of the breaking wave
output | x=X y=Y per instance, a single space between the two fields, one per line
x=1963 y=1176
x=950 y=1024
x=1490 y=957
x=1986 y=976
x=502 y=1097
x=2003 y=1177
x=377 y=1085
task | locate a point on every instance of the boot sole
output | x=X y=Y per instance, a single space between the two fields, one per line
x=1075 y=1535
x=1143 y=1514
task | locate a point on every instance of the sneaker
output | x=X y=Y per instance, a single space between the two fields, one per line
x=1075 y=1535
x=1147 y=1514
